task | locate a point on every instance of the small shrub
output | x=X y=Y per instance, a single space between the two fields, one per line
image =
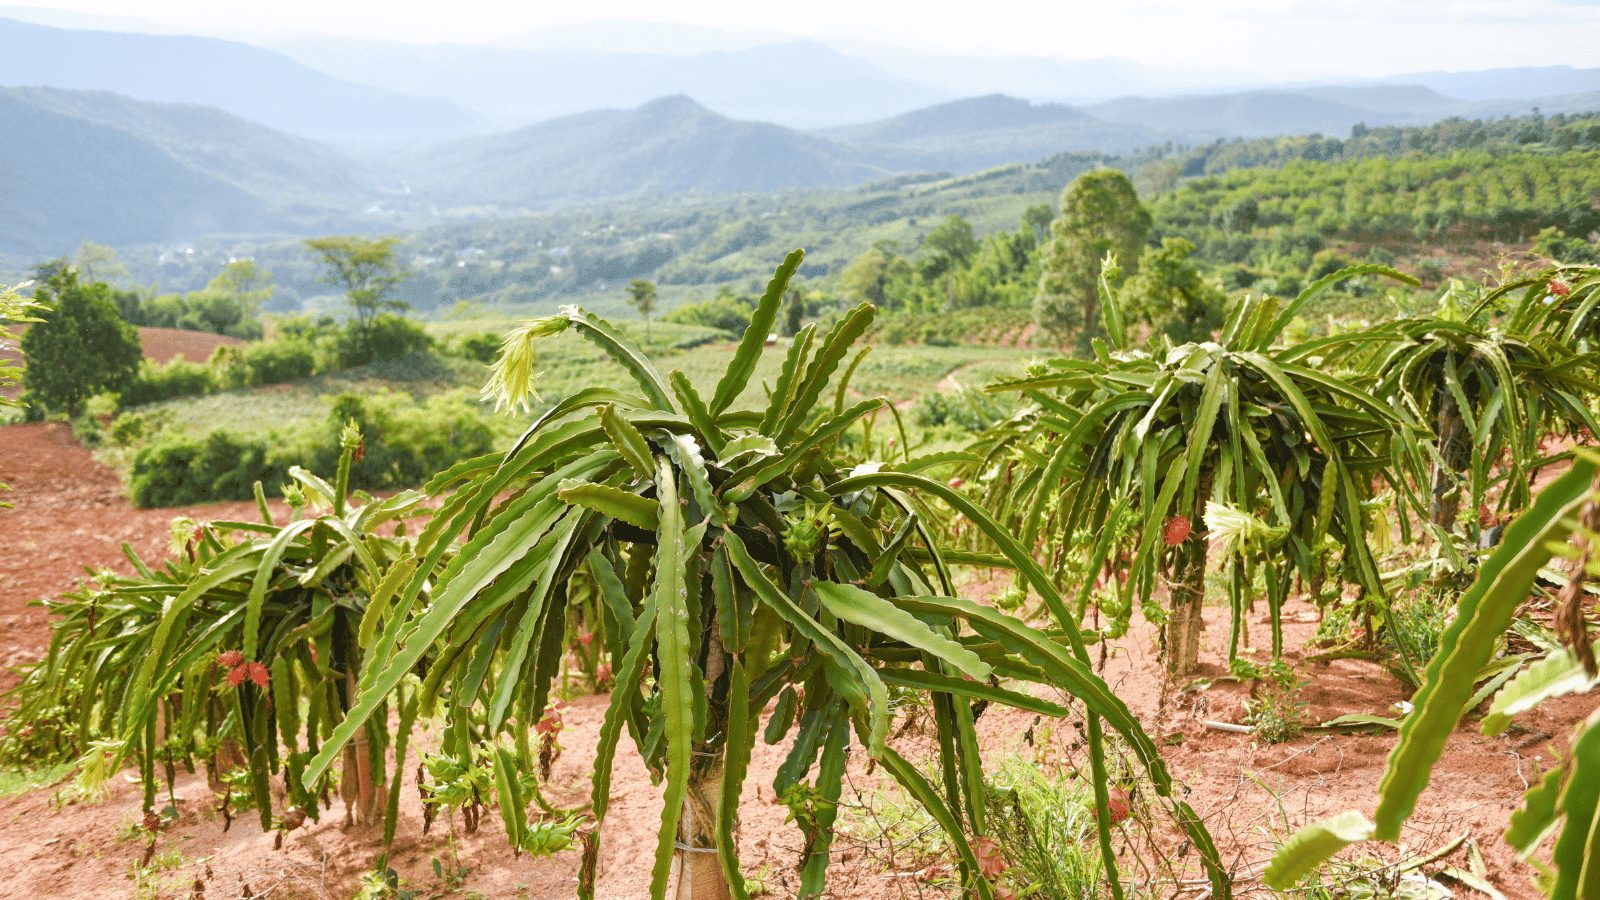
x=406 y=443
x=1274 y=712
x=479 y=347
x=1429 y=271
x=966 y=408
x=273 y=362
x=1285 y=286
x=178 y=378
x=1044 y=824
x=388 y=337
x=182 y=469
x=1238 y=278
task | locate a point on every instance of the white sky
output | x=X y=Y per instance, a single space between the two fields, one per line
x=1358 y=37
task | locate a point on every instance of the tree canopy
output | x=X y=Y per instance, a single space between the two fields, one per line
x=82 y=347
x=367 y=270
x=1100 y=214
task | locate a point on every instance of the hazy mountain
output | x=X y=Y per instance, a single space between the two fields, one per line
x=642 y=37
x=254 y=158
x=980 y=132
x=1048 y=78
x=250 y=82
x=1504 y=84
x=1329 y=110
x=1324 y=110
x=93 y=165
x=1568 y=103
x=801 y=84
x=1399 y=99
x=70 y=179
x=670 y=145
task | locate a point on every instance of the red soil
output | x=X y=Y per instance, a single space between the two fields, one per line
x=160 y=345
x=72 y=512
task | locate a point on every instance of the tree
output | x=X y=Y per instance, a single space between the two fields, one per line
x=864 y=278
x=96 y=262
x=1038 y=219
x=368 y=272
x=642 y=294
x=741 y=560
x=233 y=299
x=952 y=245
x=1169 y=295
x=1100 y=214
x=794 y=311
x=82 y=348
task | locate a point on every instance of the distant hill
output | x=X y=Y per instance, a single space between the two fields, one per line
x=1403 y=99
x=667 y=146
x=1324 y=110
x=249 y=156
x=1505 y=83
x=92 y=165
x=1329 y=110
x=70 y=179
x=800 y=84
x=980 y=132
x=256 y=84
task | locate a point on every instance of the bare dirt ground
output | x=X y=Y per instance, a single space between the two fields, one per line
x=72 y=512
x=160 y=345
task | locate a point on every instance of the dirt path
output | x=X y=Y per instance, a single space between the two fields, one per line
x=951 y=382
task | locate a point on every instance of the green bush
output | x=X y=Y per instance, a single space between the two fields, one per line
x=726 y=313
x=178 y=378
x=405 y=443
x=969 y=409
x=387 y=337
x=479 y=347
x=273 y=362
x=1327 y=262
x=183 y=468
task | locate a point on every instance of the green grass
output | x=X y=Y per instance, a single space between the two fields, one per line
x=16 y=782
x=568 y=363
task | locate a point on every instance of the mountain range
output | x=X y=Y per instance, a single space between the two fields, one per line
x=369 y=96
x=131 y=137
x=93 y=165
x=255 y=84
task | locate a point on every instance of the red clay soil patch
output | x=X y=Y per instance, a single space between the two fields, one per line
x=72 y=511
x=160 y=345
x=163 y=345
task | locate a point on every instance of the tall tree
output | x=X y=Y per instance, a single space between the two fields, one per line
x=863 y=279
x=642 y=294
x=1100 y=214
x=368 y=271
x=97 y=262
x=950 y=245
x=81 y=348
x=1038 y=219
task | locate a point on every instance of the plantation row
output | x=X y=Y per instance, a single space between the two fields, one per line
x=1464 y=194
x=712 y=560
